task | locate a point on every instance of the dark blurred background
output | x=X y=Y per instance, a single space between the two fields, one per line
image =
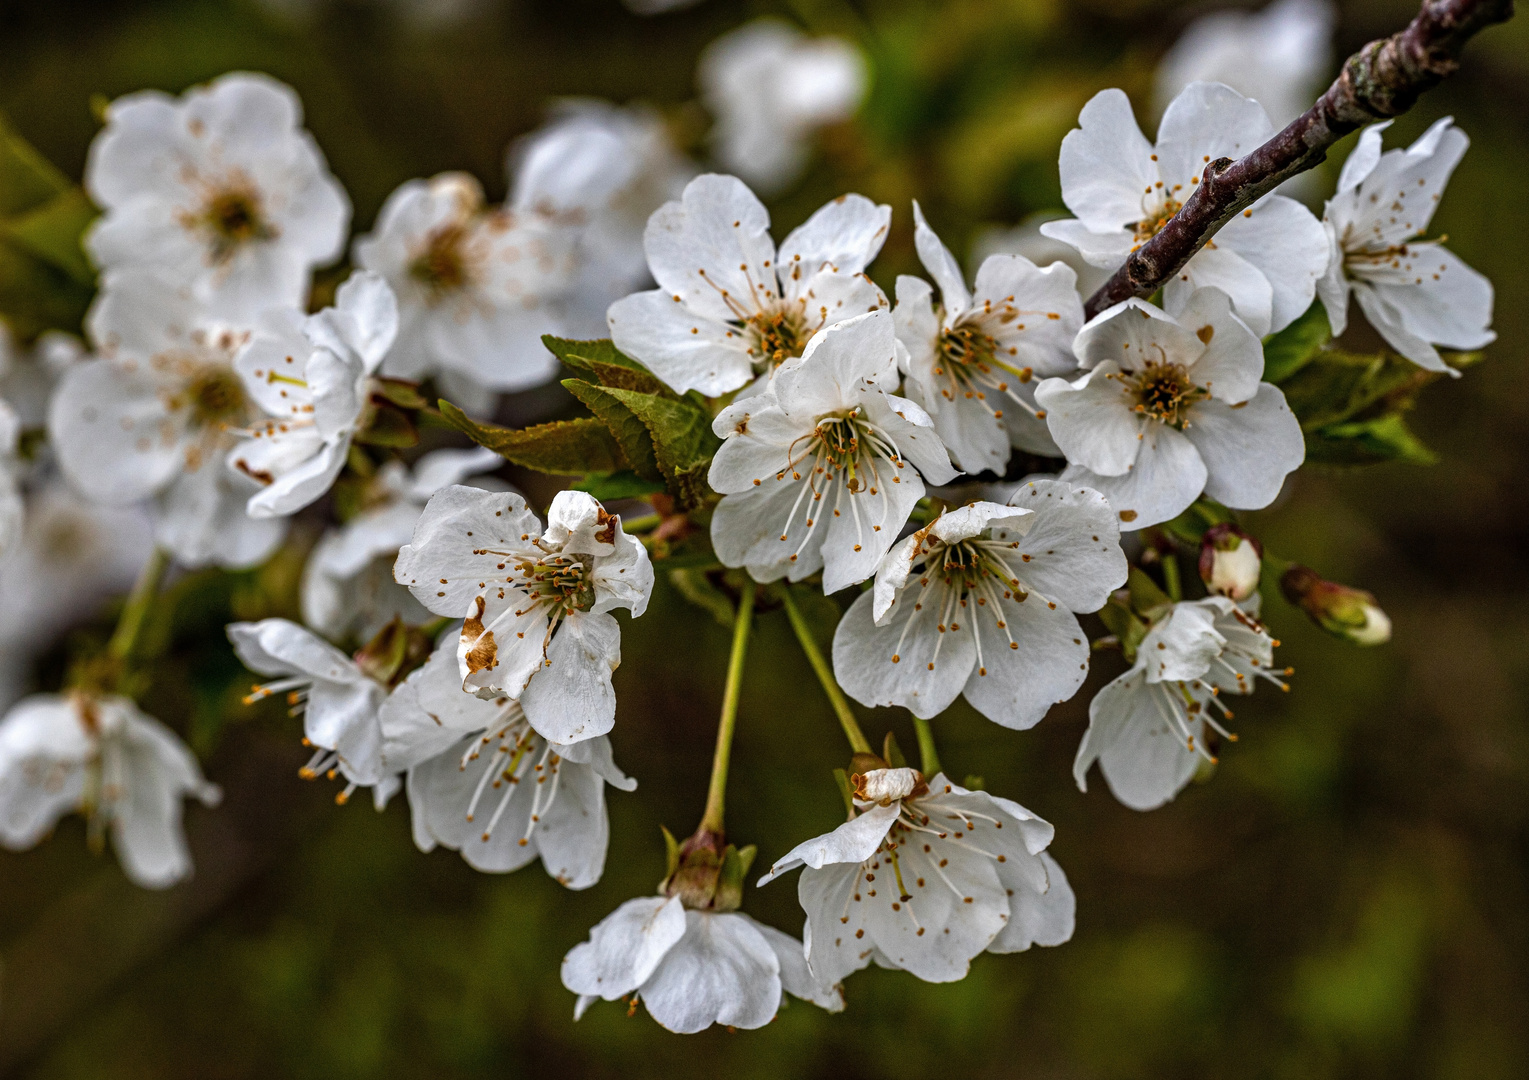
x=1345 y=898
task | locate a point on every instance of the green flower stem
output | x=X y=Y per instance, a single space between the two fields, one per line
x=857 y=739
x=716 y=794
x=642 y=524
x=136 y=611
x=928 y=757
x=1175 y=588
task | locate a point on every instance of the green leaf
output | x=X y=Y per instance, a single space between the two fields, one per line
x=630 y=432
x=1189 y=527
x=1147 y=598
x=389 y=427
x=1366 y=442
x=27 y=179
x=682 y=440
x=1296 y=345
x=564 y=448
x=1338 y=386
x=621 y=485
x=401 y=392
x=607 y=364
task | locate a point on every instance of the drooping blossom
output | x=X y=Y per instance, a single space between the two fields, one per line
x=1124 y=190
x=347 y=586
x=1416 y=293
x=1278 y=56
x=980 y=602
x=1148 y=728
x=481 y=781
x=310 y=377
x=729 y=306
x=821 y=470
x=157 y=413
x=220 y=191
x=690 y=968
x=770 y=88
x=537 y=604
x=103 y=757
x=924 y=877
x=477 y=286
x=604 y=168
x=976 y=358
x=1172 y=407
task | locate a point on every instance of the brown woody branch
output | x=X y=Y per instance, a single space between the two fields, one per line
x=1382 y=80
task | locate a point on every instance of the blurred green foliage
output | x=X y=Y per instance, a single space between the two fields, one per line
x=1345 y=898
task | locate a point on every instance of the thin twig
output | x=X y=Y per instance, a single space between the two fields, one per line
x=1382 y=80
x=716 y=794
x=857 y=740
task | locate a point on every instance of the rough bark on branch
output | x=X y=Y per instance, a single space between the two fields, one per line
x=1382 y=80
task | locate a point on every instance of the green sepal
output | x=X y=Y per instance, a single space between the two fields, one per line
x=974 y=782
x=735 y=869
x=892 y=752
x=388 y=426
x=1189 y=527
x=622 y=485
x=671 y=853
x=630 y=432
x=842 y=779
x=608 y=365
x=563 y=448
x=1147 y=599
x=1297 y=345
x=1127 y=628
x=697 y=588
x=401 y=392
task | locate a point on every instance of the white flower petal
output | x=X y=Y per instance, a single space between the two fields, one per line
x=1106 y=165
x=1167 y=477
x=722 y=971
x=571 y=697
x=1248 y=449
x=625 y=947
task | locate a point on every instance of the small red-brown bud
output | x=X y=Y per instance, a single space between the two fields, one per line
x=1230 y=562
x=1342 y=611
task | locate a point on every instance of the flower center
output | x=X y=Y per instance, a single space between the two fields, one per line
x=443 y=266
x=778 y=335
x=1163 y=392
x=1152 y=224
x=215 y=396
x=232 y=217
x=561 y=581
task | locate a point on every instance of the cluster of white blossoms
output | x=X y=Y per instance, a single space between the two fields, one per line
x=459 y=642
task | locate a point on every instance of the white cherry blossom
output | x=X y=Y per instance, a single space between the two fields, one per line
x=477 y=287
x=730 y=306
x=482 y=781
x=220 y=190
x=105 y=758
x=605 y=168
x=974 y=359
x=310 y=376
x=1147 y=729
x=692 y=969
x=1278 y=56
x=337 y=700
x=537 y=604
x=820 y=471
x=1416 y=293
x=980 y=602
x=347 y=586
x=770 y=87
x=1124 y=189
x=1172 y=407
x=157 y=413
x=924 y=877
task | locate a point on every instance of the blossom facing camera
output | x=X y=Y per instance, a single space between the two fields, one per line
x=730 y=306
x=1124 y=190
x=310 y=376
x=981 y=602
x=822 y=469
x=924 y=877
x=220 y=191
x=769 y=88
x=1345 y=612
x=157 y=414
x=1170 y=407
x=99 y=755
x=1416 y=293
x=1148 y=728
x=481 y=781
x=476 y=287
x=975 y=360
x=1231 y=562
x=537 y=604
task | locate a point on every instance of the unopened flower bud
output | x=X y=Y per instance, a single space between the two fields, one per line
x=1230 y=562
x=885 y=786
x=1340 y=610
